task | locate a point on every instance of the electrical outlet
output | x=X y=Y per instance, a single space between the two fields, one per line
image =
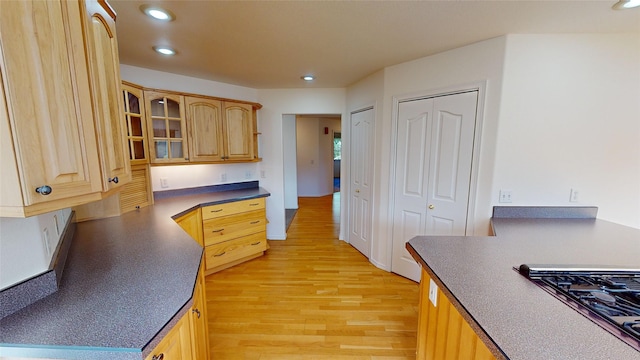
x=263 y=174
x=164 y=183
x=433 y=292
x=573 y=197
x=247 y=175
x=505 y=196
x=223 y=177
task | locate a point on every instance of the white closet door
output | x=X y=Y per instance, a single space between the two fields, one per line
x=433 y=170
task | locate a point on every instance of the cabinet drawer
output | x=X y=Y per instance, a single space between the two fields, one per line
x=230 y=227
x=236 y=207
x=228 y=251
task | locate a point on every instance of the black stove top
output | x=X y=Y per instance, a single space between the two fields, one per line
x=608 y=296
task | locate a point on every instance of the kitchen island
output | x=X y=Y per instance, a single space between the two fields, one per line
x=514 y=317
x=127 y=281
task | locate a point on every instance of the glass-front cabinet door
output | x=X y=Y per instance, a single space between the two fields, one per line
x=136 y=126
x=167 y=127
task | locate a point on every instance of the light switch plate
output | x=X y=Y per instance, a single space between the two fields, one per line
x=433 y=292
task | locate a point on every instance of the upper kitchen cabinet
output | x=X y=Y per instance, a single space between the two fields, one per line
x=104 y=65
x=239 y=132
x=167 y=126
x=47 y=136
x=204 y=122
x=135 y=124
x=220 y=130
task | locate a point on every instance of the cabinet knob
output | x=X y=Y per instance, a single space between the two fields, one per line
x=158 y=357
x=196 y=311
x=114 y=180
x=431 y=207
x=44 y=190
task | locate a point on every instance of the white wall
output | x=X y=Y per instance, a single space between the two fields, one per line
x=315 y=155
x=433 y=74
x=560 y=112
x=570 y=119
x=167 y=81
x=23 y=253
x=276 y=103
x=308 y=157
x=290 y=168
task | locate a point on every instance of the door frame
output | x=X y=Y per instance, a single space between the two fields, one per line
x=480 y=87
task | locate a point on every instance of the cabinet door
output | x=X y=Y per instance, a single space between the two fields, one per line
x=204 y=122
x=199 y=331
x=45 y=77
x=176 y=345
x=165 y=114
x=238 y=131
x=191 y=223
x=108 y=106
x=135 y=124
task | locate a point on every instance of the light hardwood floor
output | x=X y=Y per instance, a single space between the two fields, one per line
x=311 y=296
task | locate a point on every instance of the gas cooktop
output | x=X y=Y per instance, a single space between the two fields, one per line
x=609 y=296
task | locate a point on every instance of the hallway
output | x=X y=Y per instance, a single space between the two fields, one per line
x=311 y=296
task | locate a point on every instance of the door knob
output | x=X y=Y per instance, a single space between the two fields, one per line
x=431 y=207
x=357 y=191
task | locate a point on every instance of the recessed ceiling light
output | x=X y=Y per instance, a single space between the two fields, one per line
x=157 y=13
x=626 y=4
x=308 y=77
x=164 y=50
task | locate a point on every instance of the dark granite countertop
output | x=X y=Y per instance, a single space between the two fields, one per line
x=126 y=278
x=522 y=320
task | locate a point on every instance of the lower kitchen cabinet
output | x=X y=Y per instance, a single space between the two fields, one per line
x=442 y=331
x=199 y=330
x=176 y=345
x=189 y=338
x=192 y=224
x=233 y=232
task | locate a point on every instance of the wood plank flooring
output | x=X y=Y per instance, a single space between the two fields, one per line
x=311 y=296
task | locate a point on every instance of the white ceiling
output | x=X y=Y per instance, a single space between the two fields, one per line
x=270 y=44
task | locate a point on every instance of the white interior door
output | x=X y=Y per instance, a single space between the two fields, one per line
x=361 y=173
x=433 y=170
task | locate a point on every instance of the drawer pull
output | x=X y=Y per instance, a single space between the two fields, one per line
x=218 y=255
x=216 y=210
x=216 y=231
x=256 y=204
x=158 y=357
x=255 y=222
x=256 y=243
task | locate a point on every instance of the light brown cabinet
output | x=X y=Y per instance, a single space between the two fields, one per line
x=220 y=130
x=233 y=233
x=191 y=223
x=50 y=156
x=167 y=127
x=199 y=327
x=176 y=345
x=135 y=123
x=205 y=126
x=104 y=66
x=442 y=331
x=238 y=131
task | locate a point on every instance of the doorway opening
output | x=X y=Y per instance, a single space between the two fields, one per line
x=311 y=166
x=337 y=158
